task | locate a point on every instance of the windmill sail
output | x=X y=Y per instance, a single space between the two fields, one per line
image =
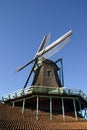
x=56 y=48
x=43 y=44
x=56 y=45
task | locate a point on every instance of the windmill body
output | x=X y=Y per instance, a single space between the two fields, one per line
x=47 y=75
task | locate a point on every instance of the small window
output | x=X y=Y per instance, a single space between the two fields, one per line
x=48 y=73
x=38 y=84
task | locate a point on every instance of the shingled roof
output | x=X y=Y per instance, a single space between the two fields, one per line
x=13 y=119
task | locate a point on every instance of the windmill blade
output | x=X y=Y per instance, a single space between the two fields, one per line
x=55 y=46
x=47 y=40
x=22 y=67
x=44 y=42
x=42 y=45
x=29 y=77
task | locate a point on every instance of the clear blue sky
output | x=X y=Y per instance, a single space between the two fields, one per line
x=23 y=23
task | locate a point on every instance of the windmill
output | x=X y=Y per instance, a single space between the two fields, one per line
x=47 y=97
x=41 y=61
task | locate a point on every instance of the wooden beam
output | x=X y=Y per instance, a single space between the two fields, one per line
x=37 y=107
x=80 y=106
x=13 y=105
x=50 y=108
x=23 y=106
x=63 y=109
x=75 y=109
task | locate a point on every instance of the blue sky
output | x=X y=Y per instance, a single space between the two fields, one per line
x=23 y=23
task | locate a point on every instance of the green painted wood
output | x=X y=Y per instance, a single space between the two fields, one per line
x=75 y=109
x=63 y=110
x=37 y=107
x=23 y=106
x=50 y=108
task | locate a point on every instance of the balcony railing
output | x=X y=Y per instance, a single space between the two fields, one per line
x=44 y=90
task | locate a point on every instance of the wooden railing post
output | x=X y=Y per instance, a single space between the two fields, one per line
x=37 y=107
